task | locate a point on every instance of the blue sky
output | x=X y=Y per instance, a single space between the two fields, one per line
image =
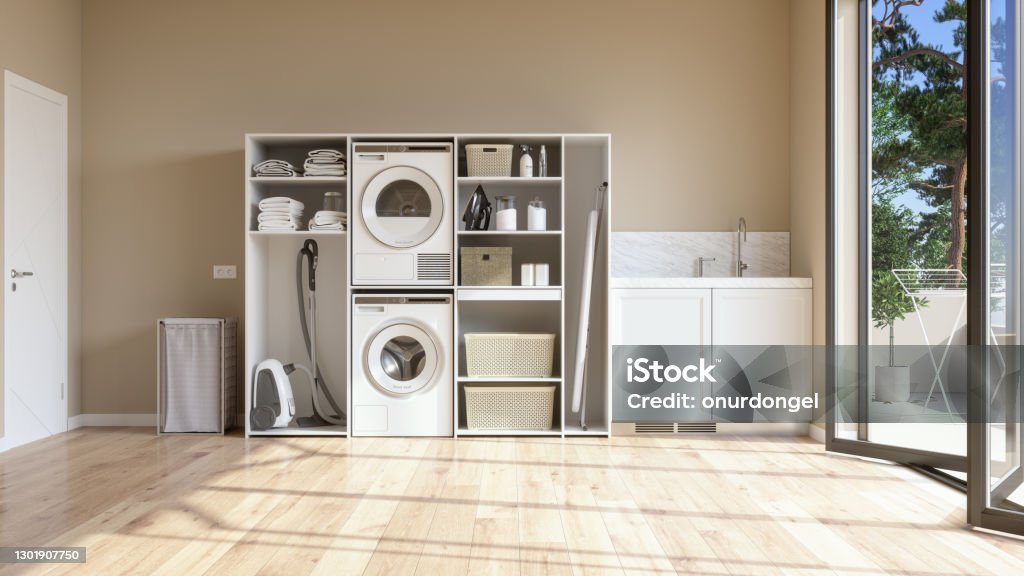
x=939 y=35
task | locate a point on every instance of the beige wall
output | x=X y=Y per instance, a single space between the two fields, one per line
x=695 y=93
x=807 y=150
x=42 y=41
x=807 y=159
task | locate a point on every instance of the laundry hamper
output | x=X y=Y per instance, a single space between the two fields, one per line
x=196 y=384
x=510 y=407
x=509 y=355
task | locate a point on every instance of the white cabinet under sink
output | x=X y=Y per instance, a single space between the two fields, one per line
x=761 y=316
x=711 y=316
x=661 y=316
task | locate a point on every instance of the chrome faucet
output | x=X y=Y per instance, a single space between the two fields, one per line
x=700 y=265
x=741 y=237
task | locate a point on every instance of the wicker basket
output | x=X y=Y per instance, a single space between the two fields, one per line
x=486 y=266
x=510 y=407
x=507 y=355
x=489 y=159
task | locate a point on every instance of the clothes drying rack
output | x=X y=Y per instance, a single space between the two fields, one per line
x=919 y=284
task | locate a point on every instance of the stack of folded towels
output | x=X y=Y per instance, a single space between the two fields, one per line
x=280 y=213
x=274 y=168
x=329 y=220
x=325 y=162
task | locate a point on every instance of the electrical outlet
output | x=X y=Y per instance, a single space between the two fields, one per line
x=225 y=272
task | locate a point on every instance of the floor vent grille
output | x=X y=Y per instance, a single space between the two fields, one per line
x=696 y=428
x=644 y=428
x=672 y=428
x=434 y=267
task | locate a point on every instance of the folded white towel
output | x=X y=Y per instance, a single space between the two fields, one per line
x=281 y=202
x=326 y=153
x=278 y=226
x=335 y=226
x=330 y=217
x=325 y=173
x=324 y=167
x=279 y=217
x=274 y=168
x=329 y=220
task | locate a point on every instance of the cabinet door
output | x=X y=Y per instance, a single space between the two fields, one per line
x=760 y=316
x=661 y=316
x=652 y=318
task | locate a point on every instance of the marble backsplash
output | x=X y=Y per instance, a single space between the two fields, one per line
x=674 y=254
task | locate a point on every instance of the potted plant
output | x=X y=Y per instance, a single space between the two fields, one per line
x=889 y=303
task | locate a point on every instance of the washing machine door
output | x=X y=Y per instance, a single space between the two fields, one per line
x=402 y=359
x=402 y=206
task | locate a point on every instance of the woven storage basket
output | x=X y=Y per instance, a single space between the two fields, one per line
x=486 y=266
x=510 y=407
x=505 y=355
x=489 y=159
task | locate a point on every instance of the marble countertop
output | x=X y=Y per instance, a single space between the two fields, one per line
x=709 y=282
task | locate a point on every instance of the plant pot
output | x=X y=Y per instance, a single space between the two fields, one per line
x=892 y=383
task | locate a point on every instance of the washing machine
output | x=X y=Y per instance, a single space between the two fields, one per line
x=402 y=233
x=403 y=381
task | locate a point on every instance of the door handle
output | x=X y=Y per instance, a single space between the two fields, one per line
x=15 y=274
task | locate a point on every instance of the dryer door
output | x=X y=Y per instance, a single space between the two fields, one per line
x=402 y=206
x=402 y=359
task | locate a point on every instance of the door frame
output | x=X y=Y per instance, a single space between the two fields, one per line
x=13 y=81
x=861 y=446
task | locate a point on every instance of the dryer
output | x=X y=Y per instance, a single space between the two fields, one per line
x=402 y=233
x=403 y=381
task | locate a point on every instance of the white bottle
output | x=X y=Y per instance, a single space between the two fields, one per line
x=541 y=274
x=536 y=215
x=525 y=162
x=543 y=166
x=526 y=276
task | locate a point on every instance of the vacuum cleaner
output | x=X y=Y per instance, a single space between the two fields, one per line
x=273 y=393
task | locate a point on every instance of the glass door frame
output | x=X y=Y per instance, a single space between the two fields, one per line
x=980 y=511
x=861 y=446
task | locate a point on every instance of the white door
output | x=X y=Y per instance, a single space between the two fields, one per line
x=645 y=321
x=35 y=261
x=661 y=317
x=770 y=317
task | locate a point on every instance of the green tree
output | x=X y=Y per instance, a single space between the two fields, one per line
x=925 y=88
x=889 y=303
x=893 y=240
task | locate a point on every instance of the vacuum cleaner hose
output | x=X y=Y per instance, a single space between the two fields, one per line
x=310 y=250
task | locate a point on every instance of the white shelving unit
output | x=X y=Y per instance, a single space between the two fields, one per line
x=271 y=308
x=568 y=194
x=578 y=164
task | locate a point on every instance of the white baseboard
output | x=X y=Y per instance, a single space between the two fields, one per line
x=816 y=432
x=83 y=420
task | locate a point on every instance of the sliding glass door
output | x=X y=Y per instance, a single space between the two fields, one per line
x=996 y=495
x=925 y=319
x=899 y=375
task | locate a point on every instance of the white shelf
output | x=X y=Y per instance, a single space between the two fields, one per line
x=297 y=232
x=298 y=180
x=518 y=181
x=467 y=432
x=493 y=380
x=509 y=293
x=296 y=431
x=510 y=232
